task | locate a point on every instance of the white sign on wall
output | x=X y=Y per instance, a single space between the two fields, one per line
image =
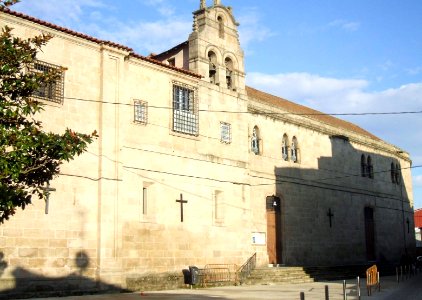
x=258 y=238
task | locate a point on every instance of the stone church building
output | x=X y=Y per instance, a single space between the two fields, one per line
x=193 y=167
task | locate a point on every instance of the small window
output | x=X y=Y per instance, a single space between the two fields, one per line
x=294 y=150
x=363 y=167
x=370 y=168
x=51 y=91
x=172 y=62
x=220 y=27
x=185 y=112
x=140 y=112
x=144 y=201
x=225 y=133
x=255 y=141
x=398 y=174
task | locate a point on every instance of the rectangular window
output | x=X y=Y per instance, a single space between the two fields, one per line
x=218 y=207
x=140 y=112
x=144 y=201
x=225 y=133
x=185 y=112
x=51 y=91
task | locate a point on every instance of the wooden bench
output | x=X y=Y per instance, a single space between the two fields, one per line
x=372 y=279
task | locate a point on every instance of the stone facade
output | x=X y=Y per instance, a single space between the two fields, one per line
x=201 y=134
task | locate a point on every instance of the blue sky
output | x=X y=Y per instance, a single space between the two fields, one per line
x=348 y=56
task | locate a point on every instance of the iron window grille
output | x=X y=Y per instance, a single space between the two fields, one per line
x=185 y=109
x=50 y=91
x=140 y=110
x=225 y=132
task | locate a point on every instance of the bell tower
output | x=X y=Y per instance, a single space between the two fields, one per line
x=214 y=48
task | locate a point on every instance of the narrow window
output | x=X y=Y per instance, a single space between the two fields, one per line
x=220 y=27
x=255 y=140
x=140 y=112
x=393 y=173
x=294 y=150
x=225 y=133
x=185 y=112
x=363 y=167
x=398 y=174
x=53 y=89
x=144 y=201
x=218 y=206
x=370 y=167
x=285 y=147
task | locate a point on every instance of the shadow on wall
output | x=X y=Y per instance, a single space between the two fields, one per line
x=26 y=284
x=354 y=209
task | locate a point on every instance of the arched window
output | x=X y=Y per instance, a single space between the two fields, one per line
x=393 y=173
x=255 y=140
x=398 y=174
x=212 y=67
x=363 y=168
x=294 y=150
x=229 y=72
x=220 y=27
x=370 y=167
x=285 y=147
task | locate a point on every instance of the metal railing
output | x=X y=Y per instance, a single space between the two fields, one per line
x=246 y=269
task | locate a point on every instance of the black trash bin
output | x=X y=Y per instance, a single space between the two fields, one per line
x=186 y=276
x=194 y=275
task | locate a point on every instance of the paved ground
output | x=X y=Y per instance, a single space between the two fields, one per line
x=410 y=289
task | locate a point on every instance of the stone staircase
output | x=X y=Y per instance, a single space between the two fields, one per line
x=279 y=275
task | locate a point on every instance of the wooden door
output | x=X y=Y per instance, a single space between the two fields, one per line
x=370 y=233
x=273 y=230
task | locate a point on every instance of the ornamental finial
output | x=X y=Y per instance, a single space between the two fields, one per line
x=203 y=4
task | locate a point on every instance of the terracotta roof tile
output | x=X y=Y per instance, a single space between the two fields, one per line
x=303 y=110
x=96 y=40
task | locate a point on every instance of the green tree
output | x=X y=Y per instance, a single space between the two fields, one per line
x=29 y=156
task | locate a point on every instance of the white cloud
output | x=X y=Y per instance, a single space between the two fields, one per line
x=345 y=25
x=417 y=181
x=251 y=29
x=162 y=6
x=61 y=12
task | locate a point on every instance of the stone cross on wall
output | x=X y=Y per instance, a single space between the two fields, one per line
x=181 y=201
x=47 y=191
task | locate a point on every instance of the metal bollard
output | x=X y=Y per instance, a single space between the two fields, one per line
x=397 y=274
x=344 y=290
x=302 y=296
x=327 y=294
x=358 y=287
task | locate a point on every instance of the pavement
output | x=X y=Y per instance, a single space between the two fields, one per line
x=408 y=289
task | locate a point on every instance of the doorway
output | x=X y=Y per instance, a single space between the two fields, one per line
x=274 y=245
x=370 y=233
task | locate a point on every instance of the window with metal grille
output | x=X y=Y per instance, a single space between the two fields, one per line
x=50 y=91
x=185 y=112
x=225 y=132
x=140 y=112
